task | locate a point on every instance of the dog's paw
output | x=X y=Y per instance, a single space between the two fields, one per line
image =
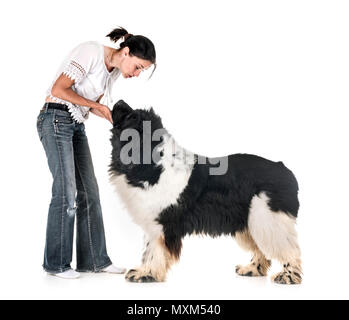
x=135 y=275
x=251 y=270
x=287 y=277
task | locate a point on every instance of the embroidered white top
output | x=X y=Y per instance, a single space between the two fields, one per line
x=85 y=65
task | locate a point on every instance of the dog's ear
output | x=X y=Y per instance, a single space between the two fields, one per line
x=120 y=111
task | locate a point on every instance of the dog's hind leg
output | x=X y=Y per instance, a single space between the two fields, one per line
x=156 y=262
x=275 y=235
x=259 y=264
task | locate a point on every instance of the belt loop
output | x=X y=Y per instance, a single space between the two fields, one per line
x=46 y=106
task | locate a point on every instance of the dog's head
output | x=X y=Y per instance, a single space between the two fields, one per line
x=137 y=136
x=124 y=117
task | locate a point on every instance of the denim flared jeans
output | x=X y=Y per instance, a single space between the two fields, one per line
x=74 y=193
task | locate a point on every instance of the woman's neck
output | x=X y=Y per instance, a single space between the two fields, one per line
x=111 y=58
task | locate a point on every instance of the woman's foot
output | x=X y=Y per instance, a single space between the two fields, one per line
x=69 y=274
x=114 y=269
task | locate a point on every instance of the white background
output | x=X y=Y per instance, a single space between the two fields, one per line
x=263 y=77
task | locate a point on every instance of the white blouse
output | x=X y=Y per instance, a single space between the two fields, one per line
x=85 y=65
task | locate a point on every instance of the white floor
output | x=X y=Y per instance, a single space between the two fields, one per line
x=206 y=271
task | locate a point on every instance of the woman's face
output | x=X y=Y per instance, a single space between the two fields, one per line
x=132 y=66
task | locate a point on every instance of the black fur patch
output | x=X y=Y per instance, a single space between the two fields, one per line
x=217 y=205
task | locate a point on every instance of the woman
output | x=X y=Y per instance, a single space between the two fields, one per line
x=85 y=76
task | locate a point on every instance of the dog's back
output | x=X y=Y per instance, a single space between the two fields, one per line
x=220 y=204
x=249 y=175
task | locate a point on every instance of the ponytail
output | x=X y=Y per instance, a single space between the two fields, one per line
x=116 y=34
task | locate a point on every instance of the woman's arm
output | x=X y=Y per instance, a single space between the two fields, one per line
x=95 y=111
x=62 y=89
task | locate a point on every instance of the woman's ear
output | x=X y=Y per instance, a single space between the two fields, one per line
x=126 y=51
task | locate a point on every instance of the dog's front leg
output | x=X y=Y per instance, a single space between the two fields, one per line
x=155 y=262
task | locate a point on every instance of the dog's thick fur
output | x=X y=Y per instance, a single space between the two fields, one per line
x=255 y=201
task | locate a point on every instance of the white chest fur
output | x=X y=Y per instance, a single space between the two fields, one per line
x=145 y=205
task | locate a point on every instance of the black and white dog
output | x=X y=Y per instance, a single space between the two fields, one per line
x=171 y=192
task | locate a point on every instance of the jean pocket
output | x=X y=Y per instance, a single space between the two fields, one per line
x=40 y=118
x=63 y=119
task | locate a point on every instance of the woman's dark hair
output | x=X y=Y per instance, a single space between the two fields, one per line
x=139 y=46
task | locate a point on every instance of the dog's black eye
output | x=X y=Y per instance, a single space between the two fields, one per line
x=161 y=153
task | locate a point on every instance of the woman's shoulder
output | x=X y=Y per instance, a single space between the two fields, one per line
x=87 y=53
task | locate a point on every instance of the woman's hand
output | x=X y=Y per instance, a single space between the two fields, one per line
x=103 y=111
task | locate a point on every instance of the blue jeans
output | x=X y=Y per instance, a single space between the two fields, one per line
x=74 y=193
